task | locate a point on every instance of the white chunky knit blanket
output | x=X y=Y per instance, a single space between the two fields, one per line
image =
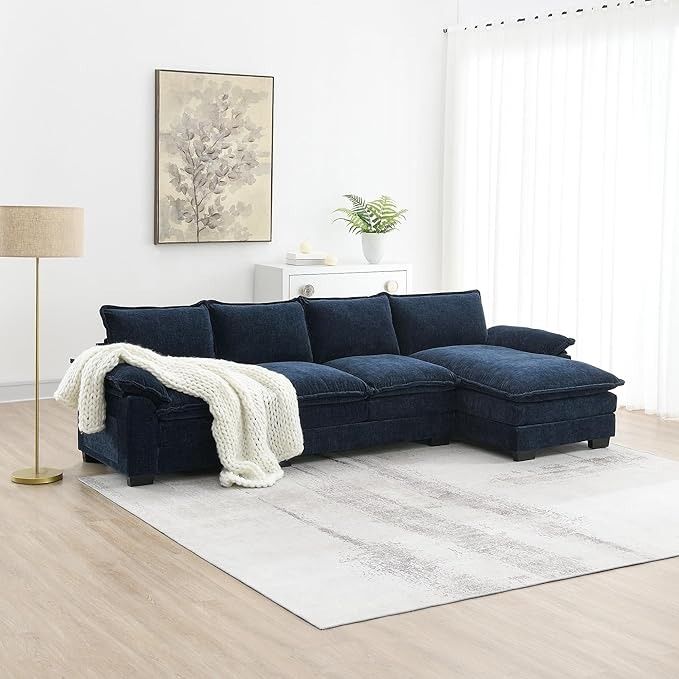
x=256 y=417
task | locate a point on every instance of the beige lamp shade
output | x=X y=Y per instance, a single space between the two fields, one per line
x=29 y=231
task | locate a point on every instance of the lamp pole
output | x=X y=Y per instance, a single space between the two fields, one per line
x=37 y=366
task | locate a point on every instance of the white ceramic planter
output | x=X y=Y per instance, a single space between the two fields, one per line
x=374 y=246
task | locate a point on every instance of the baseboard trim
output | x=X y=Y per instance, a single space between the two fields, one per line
x=25 y=391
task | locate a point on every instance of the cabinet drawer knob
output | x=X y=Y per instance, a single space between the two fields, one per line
x=391 y=286
x=307 y=290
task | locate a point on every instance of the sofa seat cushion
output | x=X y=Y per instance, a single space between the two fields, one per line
x=315 y=384
x=129 y=380
x=350 y=326
x=389 y=373
x=320 y=383
x=171 y=331
x=320 y=413
x=260 y=333
x=518 y=375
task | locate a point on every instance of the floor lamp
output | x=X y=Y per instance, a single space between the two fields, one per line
x=39 y=232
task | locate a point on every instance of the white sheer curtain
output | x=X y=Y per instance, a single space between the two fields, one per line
x=561 y=187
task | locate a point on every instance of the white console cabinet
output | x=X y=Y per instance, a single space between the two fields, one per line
x=276 y=282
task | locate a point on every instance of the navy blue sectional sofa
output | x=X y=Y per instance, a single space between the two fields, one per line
x=368 y=371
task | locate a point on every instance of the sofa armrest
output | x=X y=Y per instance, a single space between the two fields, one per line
x=531 y=340
x=128 y=380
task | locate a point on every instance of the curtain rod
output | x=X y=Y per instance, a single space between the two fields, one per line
x=564 y=12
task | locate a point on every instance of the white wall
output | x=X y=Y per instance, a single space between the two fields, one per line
x=359 y=87
x=358 y=95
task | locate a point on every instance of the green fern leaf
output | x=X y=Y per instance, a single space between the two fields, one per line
x=377 y=216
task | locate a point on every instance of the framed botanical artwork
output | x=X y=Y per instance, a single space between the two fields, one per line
x=214 y=145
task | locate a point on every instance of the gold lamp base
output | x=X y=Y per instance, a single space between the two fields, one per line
x=30 y=477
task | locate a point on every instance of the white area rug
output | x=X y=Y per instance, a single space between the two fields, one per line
x=344 y=539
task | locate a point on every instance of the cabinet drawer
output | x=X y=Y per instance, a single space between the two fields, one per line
x=348 y=284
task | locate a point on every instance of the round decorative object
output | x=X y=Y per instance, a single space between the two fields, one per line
x=330 y=260
x=305 y=247
x=391 y=286
x=307 y=290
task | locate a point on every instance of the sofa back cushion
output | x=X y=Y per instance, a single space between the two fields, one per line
x=260 y=333
x=171 y=331
x=438 y=320
x=350 y=326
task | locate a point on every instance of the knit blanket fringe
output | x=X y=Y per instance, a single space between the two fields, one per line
x=256 y=417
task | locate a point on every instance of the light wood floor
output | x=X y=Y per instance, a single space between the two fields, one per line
x=87 y=590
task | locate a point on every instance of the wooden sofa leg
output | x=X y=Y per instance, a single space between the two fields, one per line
x=140 y=480
x=599 y=443
x=523 y=455
x=89 y=458
x=286 y=463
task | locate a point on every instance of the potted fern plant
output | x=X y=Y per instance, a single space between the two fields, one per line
x=373 y=220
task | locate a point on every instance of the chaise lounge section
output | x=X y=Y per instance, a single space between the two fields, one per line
x=368 y=371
